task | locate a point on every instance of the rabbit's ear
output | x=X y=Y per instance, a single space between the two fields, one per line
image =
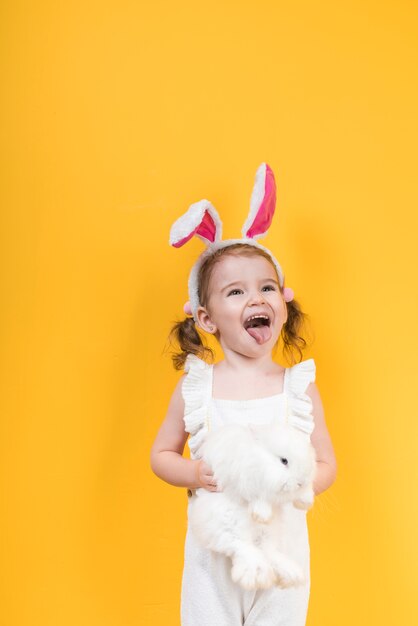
x=202 y=220
x=262 y=204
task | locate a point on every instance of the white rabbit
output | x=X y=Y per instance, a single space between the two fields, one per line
x=258 y=468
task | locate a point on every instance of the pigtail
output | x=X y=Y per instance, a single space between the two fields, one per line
x=185 y=334
x=293 y=341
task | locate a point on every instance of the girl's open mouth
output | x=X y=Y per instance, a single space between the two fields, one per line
x=258 y=326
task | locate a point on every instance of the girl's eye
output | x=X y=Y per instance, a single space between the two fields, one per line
x=265 y=288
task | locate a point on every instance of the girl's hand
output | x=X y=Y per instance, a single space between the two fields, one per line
x=204 y=476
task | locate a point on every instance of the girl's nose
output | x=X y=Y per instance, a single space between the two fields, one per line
x=257 y=298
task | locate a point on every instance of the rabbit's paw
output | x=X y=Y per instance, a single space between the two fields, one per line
x=288 y=573
x=304 y=500
x=253 y=571
x=304 y=505
x=261 y=511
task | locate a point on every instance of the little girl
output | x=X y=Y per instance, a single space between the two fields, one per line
x=237 y=293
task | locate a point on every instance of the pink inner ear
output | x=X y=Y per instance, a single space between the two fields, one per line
x=206 y=229
x=265 y=212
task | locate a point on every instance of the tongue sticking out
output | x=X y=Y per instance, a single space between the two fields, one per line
x=260 y=333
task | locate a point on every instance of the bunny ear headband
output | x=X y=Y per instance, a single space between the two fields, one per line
x=202 y=220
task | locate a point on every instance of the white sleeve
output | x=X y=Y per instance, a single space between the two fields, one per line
x=299 y=403
x=196 y=391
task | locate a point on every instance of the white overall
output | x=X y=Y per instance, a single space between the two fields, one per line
x=209 y=596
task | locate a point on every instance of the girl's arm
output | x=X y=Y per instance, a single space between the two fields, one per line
x=326 y=466
x=167 y=461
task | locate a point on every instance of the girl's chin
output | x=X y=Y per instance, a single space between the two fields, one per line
x=249 y=346
x=250 y=349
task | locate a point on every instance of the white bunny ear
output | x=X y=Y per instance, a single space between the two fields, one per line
x=202 y=220
x=262 y=204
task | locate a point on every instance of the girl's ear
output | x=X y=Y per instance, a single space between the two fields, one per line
x=205 y=321
x=201 y=219
x=262 y=204
x=286 y=310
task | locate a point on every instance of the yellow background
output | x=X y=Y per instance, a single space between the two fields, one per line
x=115 y=117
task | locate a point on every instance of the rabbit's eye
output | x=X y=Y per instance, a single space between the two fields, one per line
x=284 y=461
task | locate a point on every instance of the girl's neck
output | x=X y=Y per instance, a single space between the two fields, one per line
x=239 y=363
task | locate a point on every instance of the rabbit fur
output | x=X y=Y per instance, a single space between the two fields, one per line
x=258 y=468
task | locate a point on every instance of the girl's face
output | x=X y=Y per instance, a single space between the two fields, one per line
x=244 y=305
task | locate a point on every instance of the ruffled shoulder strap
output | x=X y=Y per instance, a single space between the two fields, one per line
x=299 y=404
x=197 y=393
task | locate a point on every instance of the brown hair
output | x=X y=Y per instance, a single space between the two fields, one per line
x=186 y=334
